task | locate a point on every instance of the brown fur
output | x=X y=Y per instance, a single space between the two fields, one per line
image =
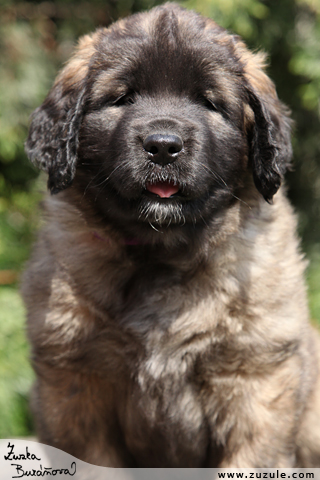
x=176 y=353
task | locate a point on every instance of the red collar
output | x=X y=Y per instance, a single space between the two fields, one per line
x=127 y=240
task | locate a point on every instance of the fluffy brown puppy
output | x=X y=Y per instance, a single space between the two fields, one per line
x=166 y=303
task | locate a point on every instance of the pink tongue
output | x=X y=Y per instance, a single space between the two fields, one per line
x=163 y=189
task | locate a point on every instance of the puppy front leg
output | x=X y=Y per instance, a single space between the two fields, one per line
x=74 y=412
x=255 y=421
x=259 y=452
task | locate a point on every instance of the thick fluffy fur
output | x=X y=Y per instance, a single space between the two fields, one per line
x=169 y=332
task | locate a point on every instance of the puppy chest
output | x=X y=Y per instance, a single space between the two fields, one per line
x=164 y=425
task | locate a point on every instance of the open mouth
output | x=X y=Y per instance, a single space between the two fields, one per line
x=162 y=189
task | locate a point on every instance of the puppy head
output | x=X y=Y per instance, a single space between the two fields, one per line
x=159 y=118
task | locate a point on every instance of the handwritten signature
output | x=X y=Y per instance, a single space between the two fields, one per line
x=40 y=471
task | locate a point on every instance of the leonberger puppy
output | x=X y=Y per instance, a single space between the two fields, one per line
x=167 y=309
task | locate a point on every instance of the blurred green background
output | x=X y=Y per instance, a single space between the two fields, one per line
x=36 y=38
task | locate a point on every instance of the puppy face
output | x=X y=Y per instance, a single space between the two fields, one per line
x=169 y=146
x=158 y=120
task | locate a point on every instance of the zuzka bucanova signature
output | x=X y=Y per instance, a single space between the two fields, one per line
x=22 y=471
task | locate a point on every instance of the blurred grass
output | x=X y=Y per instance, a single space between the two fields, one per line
x=313 y=280
x=18 y=222
x=19 y=216
x=15 y=372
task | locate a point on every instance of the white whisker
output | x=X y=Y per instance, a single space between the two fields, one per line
x=217 y=176
x=154 y=228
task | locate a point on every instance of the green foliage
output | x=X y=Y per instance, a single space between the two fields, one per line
x=239 y=16
x=18 y=222
x=313 y=280
x=15 y=372
x=305 y=61
x=24 y=79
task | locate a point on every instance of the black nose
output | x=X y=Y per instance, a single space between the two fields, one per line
x=163 y=148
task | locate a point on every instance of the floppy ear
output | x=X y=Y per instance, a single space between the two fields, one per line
x=53 y=135
x=270 y=145
x=270 y=136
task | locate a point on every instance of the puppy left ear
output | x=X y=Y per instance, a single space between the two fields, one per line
x=269 y=126
x=53 y=135
x=270 y=143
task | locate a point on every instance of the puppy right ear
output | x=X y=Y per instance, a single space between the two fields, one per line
x=53 y=135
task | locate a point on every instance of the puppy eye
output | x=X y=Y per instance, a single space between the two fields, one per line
x=210 y=105
x=215 y=106
x=125 y=99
